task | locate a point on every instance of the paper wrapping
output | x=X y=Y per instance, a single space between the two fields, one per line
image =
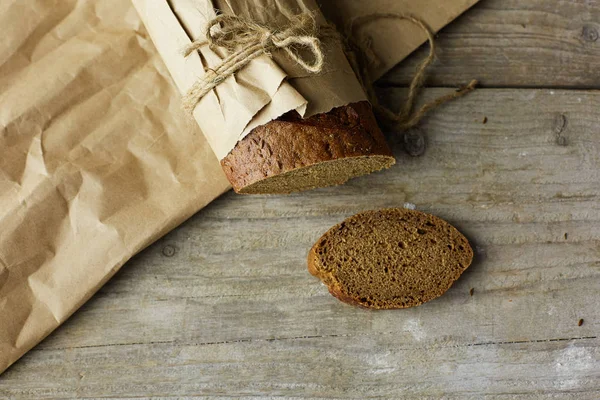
x=97 y=160
x=262 y=91
x=394 y=40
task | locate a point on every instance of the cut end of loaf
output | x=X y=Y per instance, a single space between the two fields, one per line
x=327 y=173
x=292 y=154
x=393 y=258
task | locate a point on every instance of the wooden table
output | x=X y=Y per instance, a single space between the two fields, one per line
x=224 y=306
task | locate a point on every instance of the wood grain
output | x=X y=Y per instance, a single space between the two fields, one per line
x=224 y=305
x=372 y=366
x=515 y=43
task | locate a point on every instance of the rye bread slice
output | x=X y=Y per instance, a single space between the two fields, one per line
x=391 y=258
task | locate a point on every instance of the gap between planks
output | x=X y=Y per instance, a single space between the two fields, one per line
x=258 y=340
x=482 y=86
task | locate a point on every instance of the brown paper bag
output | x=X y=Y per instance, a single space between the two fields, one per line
x=96 y=158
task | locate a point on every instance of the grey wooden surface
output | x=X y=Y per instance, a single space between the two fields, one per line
x=517 y=43
x=224 y=307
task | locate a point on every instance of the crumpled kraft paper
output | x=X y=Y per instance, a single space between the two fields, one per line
x=97 y=160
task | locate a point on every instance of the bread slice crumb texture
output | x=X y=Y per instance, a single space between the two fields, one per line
x=327 y=173
x=391 y=258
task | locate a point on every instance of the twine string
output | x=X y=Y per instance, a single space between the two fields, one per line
x=245 y=40
x=406 y=118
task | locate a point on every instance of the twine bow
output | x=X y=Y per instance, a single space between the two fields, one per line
x=246 y=40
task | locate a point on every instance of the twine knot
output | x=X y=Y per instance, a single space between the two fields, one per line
x=246 y=40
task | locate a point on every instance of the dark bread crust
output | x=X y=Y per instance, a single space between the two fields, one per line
x=332 y=285
x=329 y=257
x=291 y=143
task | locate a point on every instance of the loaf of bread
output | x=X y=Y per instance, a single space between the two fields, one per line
x=291 y=154
x=392 y=258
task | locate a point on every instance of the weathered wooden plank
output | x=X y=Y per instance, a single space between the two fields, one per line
x=369 y=366
x=507 y=184
x=221 y=304
x=508 y=43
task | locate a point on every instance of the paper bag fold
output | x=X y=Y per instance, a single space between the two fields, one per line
x=393 y=40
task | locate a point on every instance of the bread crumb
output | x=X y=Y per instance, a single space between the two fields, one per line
x=410 y=206
x=580 y=322
x=471 y=291
x=485 y=120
